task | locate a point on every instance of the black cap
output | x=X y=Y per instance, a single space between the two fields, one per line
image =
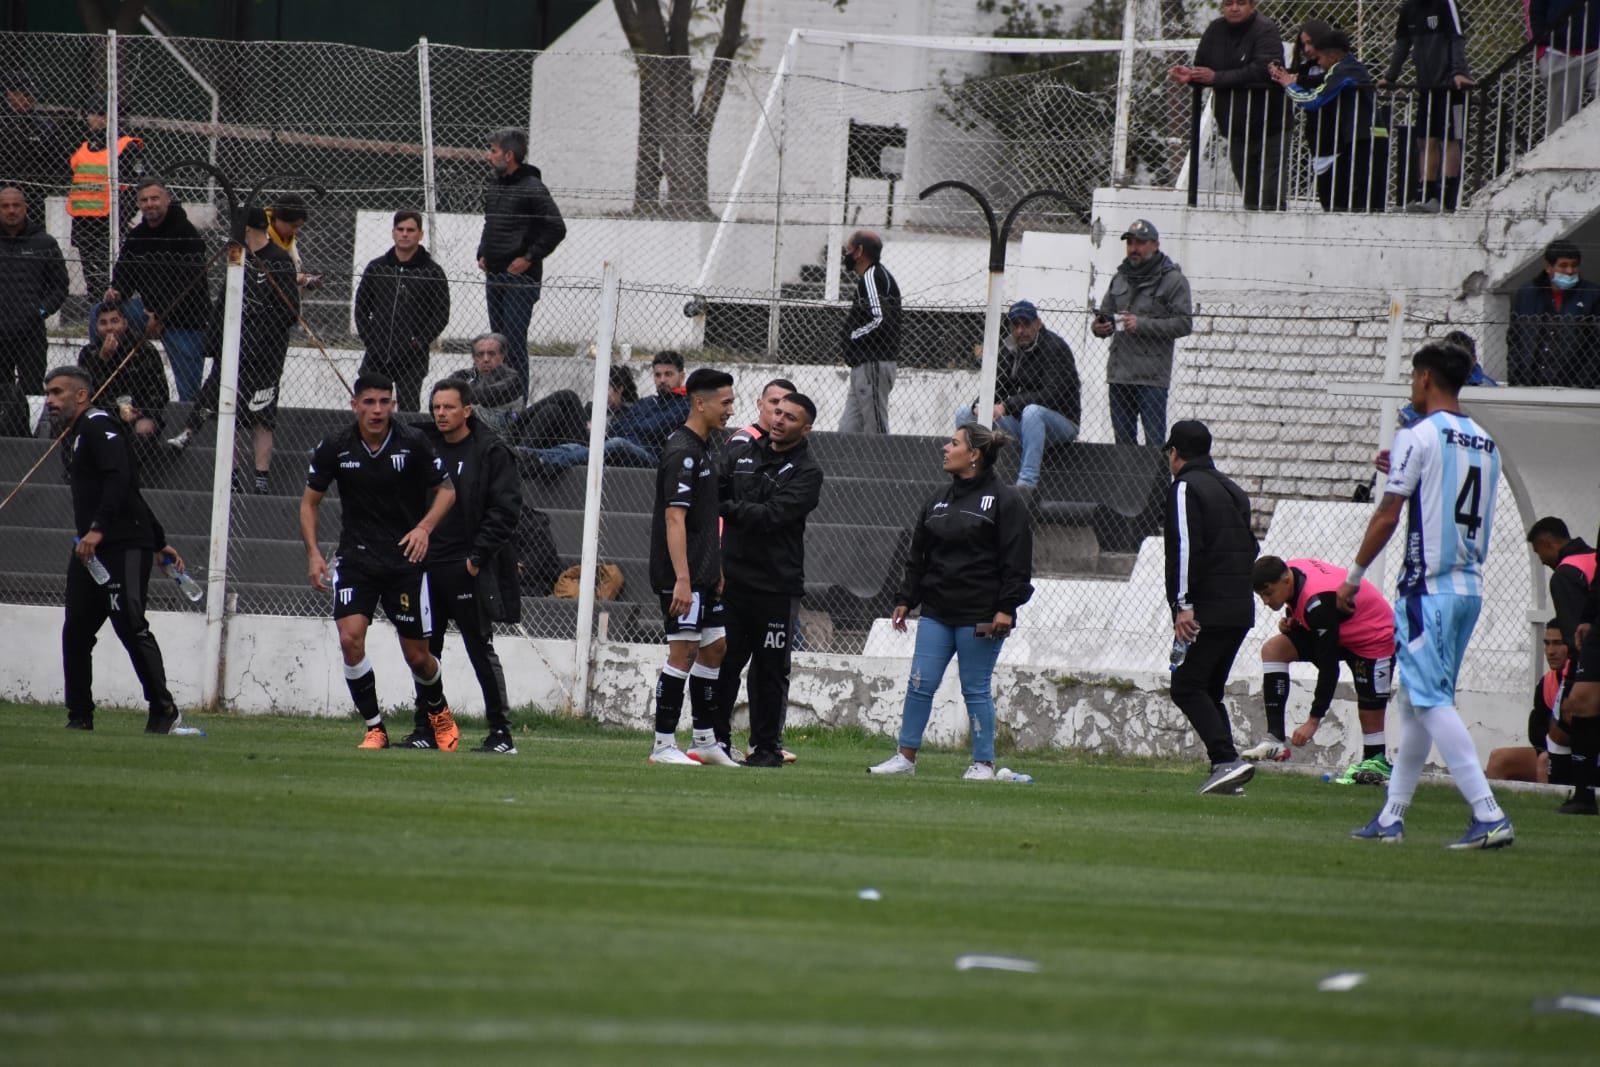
x=256 y=218
x=1190 y=437
x=1142 y=230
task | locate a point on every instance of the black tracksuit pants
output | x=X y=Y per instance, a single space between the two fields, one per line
x=122 y=600
x=1197 y=688
x=760 y=629
x=454 y=596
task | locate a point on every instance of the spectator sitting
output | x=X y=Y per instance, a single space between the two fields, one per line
x=1035 y=390
x=1554 y=336
x=561 y=418
x=497 y=392
x=138 y=393
x=634 y=434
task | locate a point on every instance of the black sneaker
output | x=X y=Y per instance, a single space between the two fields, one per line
x=79 y=724
x=764 y=757
x=163 y=722
x=416 y=739
x=498 y=742
x=1580 y=803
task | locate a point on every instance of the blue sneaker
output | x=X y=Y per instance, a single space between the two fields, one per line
x=1389 y=835
x=1497 y=834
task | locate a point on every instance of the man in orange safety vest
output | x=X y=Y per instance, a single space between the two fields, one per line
x=89 y=197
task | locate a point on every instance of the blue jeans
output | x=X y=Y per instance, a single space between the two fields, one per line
x=1131 y=404
x=619 y=451
x=186 y=351
x=975 y=658
x=1039 y=426
x=511 y=298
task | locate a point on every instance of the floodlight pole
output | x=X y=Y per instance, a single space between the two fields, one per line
x=999 y=234
x=227 y=416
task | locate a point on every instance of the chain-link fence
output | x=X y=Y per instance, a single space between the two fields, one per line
x=737 y=265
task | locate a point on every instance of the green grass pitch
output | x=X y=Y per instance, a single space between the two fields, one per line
x=268 y=894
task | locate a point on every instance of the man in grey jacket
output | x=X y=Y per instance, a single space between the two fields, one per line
x=1146 y=309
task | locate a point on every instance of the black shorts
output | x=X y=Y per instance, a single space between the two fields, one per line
x=1442 y=113
x=703 y=622
x=358 y=589
x=258 y=403
x=1374 y=678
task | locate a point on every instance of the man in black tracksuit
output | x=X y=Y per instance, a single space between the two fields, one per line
x=1210 y=553
x=1430 y=30
x=33 y=284
x=871 y=337
x=768 y=487
x=472 y=566
x=521 y=226
x=163 y=260
x=116 y=528
x=402 y=306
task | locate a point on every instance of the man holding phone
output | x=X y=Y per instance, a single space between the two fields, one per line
x=1145 y=310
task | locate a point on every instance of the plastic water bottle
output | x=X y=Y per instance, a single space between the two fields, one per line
x=186 y=584
x=1180 y=652
x=97 y=570
x=1006 y=774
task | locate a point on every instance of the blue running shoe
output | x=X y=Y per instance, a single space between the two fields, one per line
x=1496 y=834
x=1389 y=835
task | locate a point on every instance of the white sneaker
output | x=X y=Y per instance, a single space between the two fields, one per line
x=712 y=755
x=979 y=772
x=895 y=764
x=180 y=442
x=1269 y=749
x=672 y=756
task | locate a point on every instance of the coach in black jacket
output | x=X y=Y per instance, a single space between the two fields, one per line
x=472 y=564
x=768 y=486
x=521 y=226
x=402 y=306
x=1210 y=552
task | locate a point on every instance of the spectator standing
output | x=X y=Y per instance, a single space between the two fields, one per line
x=271 y=308
x=521 y=226
x=871 y=336
x=1351 y=167
x=118 y=354
x=33 y=285
x=89 y=196
x=1554 y=336
x=402 y=306
x=1036 y=390
x=472 y=564
x=1146 y=309
x=32 y=147
x=496 y=390
x=1568 y=36
x=1211 y=551
x=163 y=261
x=116 y=527
x=285 y=219
x=1430 y=32
x=1233 y=57
x=970 y=568
x=769 y=485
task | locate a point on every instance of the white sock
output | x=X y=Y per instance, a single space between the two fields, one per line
x=700 y=670
x=705 y=738
x=352 y=671
x=373 y=724
x=1461 y=756
x=1556 y=748
x=1414 y=745
x=1373 y=739
x=666 y=740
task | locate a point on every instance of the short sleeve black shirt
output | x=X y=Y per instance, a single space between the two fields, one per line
x=686 y=479
x=383 y=494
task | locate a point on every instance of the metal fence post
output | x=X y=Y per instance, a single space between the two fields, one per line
x=1119 y=137
x=841 y=170
x=113 y=164
x=594 y=482
x=1389 y=407
x=222 y=476
x=430 y=190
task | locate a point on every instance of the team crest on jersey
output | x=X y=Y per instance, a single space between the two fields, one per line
x=986 y=503
x=399 y=461
x=1433 y=22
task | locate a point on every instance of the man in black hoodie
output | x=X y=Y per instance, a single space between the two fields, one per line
x=521 y=226
x=163 y=261
x=1430 y=32
x=472 y=564
x=33 y=284
x=1211 y=551
x=1233 y=57
x=402 y=306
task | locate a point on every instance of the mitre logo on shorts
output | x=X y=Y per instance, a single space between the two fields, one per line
x=262 y=399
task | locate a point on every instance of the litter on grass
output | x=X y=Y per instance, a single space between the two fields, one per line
x=188 y=731
x=1569 y=1002
x=997 y=963
x=1342 y=982
x=869 y=894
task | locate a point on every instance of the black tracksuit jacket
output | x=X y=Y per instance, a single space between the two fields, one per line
x=1210 y=547
x=520 y=218
x=971 y=553
x=402 y=307
x=765 y=498
x=488 y=502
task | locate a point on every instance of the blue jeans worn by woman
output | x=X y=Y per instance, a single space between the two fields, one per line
x=975 y=659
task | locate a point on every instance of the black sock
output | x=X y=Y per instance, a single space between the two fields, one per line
x=1452 y=193
x=263 y=485
x=1369 y=751
x=1430 y=191
x=1275 y=695
x=364 y=691
x=1560 y=768
x=1585 y=734
x=669 y=699
x=703 y=703
x=430 y=691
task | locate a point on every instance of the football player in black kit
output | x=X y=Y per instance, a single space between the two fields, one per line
x=385 y=471
x=686 y=570
x=116 y=528
x=470 y=558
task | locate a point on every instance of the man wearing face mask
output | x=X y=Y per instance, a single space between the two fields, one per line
x=1554 y=336
x=871 y=336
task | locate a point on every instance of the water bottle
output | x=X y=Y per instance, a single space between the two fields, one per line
x=1006 y=774
x=1180 y=652
x=97 y=570
x=186 y=584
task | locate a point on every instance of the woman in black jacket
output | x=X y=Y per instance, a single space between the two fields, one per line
x=970 y=568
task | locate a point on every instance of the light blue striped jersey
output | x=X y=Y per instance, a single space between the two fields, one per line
x=1447 y=467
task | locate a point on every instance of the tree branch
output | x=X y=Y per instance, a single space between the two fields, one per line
x=721 y=62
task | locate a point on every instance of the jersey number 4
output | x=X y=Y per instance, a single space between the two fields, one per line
x=1469 y=502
